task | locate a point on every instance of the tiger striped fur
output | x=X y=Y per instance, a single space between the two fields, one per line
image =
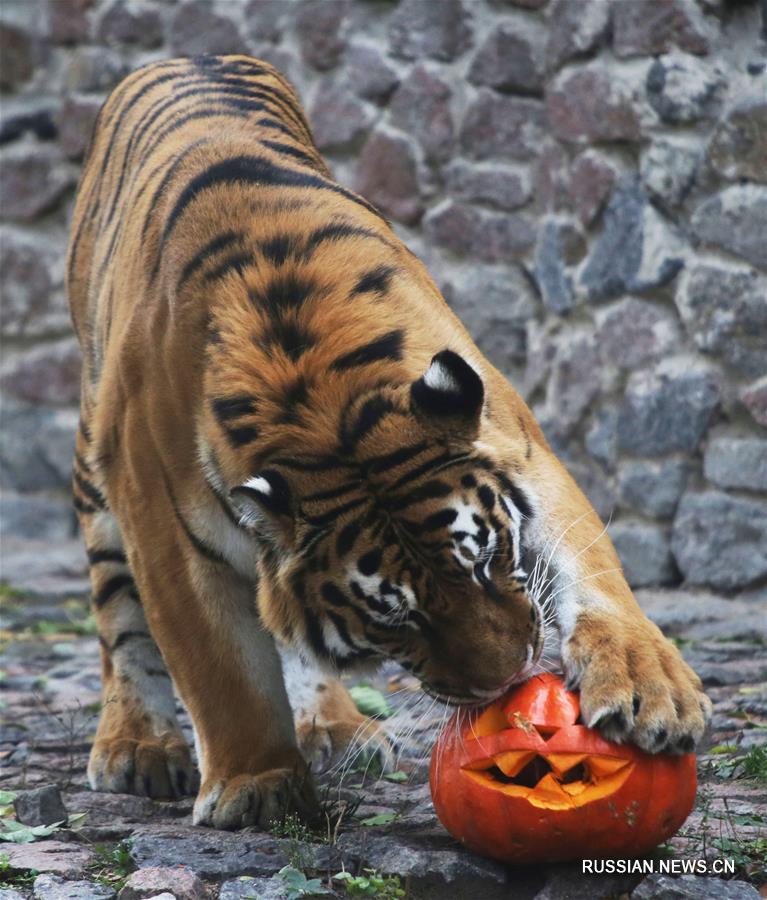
x=288 y=440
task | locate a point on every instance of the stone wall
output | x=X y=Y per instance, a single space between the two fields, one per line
x=586 y=179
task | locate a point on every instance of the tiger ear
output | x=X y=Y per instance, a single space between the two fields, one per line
x=449 y=389
x=265 y=505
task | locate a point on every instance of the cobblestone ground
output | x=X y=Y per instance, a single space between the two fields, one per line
x=50 y=694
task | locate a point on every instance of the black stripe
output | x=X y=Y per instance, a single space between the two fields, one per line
x=371 y=413
x=287 y=290
x=292 y=337
x=334 y=595
x=237 y=262
x=90 y=491
x=279 y=247
x=434 y=465
x=314 y=633
x=332 y=494
x=387 y=347
x=100 y=556
x=432 y=490
x=221 y=242
x=394 y=459
x=287 y=150
x=516 y=494
x=375 y=281
x=319 y=464
x=257 y=171
x=333 y=514
x=337 y=232
x=85 y=508
x=239 y=436
x=440 y=519
x=126 y=636
x=227 y=408
x=110 y=588
x=277 y=126
x=154 y=202
x=347 y=537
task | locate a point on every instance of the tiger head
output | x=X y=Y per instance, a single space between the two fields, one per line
x=404 y=544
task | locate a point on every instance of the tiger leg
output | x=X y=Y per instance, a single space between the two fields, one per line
x=139 y=747
x=331 y=730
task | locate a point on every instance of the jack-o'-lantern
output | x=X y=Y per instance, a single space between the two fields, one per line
x=524 y=781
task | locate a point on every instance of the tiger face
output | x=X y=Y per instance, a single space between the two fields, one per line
x=405 y=545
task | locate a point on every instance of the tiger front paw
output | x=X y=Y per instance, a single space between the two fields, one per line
x=159 y=767
x=634 y=685
x=355 y=742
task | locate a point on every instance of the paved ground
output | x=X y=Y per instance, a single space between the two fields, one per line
x=50 y=694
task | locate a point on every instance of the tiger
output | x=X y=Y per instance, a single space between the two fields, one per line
x=293 y=463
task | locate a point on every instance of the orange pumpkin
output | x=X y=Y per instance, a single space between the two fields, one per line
x=522 y=781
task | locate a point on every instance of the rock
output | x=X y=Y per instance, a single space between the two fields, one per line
x=246 y=888
x=197 y=28
x=575 y=28
x=725 y=313
x=602 y=437
x=17 y=56
x=75 y=121
x=719 y=540
x=681 y=89
x=738 y=147
x=655 y=26
x=575 y=380
x=735 y=220
x=179 y=880
x=37 y=565
x=265 y=20
x=369 y=75
x=495 y=303
x=592 y=177
x=53 y=887
x=386 y=174
x=497 y=126
x=319 y=26
x=644 y=552
x=30 y=516
x=477 y=233
x=65 y=859
x=552 y=178
x=653 y=488
x=668 y=170
x=339 y=120
x=591 y=479
x=496 y=185
x=668 y=409
x=568 y=882
x=421 y=108
x=637 y=249
x=693 y=887
x=40 y=806
x=592 y=104
x=510 y=59
x=33 y=181
x=68 y=21
x=732 y=462
x=633 y=332
x=47 y=373
x=10 y=894
x=440 y=31
x=701 y=616
x=123 y=24
x=528 y=4
x=754 y=398
x=552 y=259
x=94 y=70
x=18 y=119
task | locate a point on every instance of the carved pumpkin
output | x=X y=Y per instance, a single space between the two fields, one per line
x=523 y=781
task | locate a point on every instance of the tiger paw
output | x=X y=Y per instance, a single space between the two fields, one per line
x=158 y=767
x=260 y=800
x=635 y=686
x=354 y=742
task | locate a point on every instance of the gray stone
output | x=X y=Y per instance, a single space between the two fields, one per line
x=37 y=119
x=33 y=181
x=637 y=249
x=575 y=27
x=681 y=89
x=440 y=31
x=40 y=806
x=339 y=120
x=592 y=104
x=720 y=540
x=197 y=28
x=53 y=887
x=693 y=887
x=47 y=373
x=592 y=177
x=421 y=108
x=644 y=552
x=735 y=220
x=68 y=21
x=668 y=409
x=510 y=59
x=552 y=271
x=75 y=122
x=495 y=185
x=568 y=882
x=62 y=858
x=655 y=26
x=265 y=20
x=369 y=75
x=602 y=437
x=58 y=570
x=633 y=332
x=32 y=516
x=36 y=446
x=319 y=25
x=754 y=398
x=552 y=178
x=701 y=616
x=725 y=313
x=668 y=171
x=575 y=380
x=180 y=881
x=17 y=56
x=467 y=231
x=123 y=24
x=590 y=478
x=386 y=173
x=495 y=304
x=94 y=69
x=247 y=888
x=738 y=147
x=10 y=894
x=732 y=462
x=501 y=127
x=653 y=488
